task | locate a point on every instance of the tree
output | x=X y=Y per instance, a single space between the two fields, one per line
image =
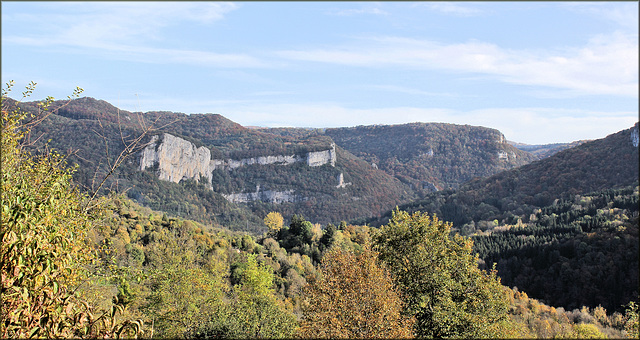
x=184 y=297
x=298 y=234
x=354 y=298
x=439 y=278
x=587 y=331
x=254 y=312
x=631 y=319
x=44 y=257
x=274 y=222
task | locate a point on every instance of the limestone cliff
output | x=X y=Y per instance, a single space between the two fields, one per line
x=635 y=137
x=176 y=158
x=179 y=159
x=320 y=158
x=265 y=196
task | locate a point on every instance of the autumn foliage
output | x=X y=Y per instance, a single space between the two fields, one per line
x=355 y=298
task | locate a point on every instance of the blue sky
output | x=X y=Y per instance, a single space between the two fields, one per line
x=540 y=72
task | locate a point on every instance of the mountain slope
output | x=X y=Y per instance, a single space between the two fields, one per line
x=607 y=163
x=546 y=150
x=580 y=251
x=249 y=181
x=432 y=156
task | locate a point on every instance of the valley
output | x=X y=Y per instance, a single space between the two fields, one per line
x=192 y=192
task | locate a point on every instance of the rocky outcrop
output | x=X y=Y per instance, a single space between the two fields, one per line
x=320 y=158
x=179 y=159
x=341 y=182
x=505 y=155
x=277 y=197
x=176 y=158
x=635 y=138
x=263 y=160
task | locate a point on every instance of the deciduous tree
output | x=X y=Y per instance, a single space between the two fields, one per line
x=43 y=258
x=355 y=298
x=274 y=222
x=440 y=279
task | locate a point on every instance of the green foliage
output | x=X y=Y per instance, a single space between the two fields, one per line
x=631 y=320
x=44 y=256
x=444 y=288
x=575 y=252
x=587 y=331
x=183 y=297
x=255 y=311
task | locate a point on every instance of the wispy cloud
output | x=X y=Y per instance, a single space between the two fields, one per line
x=128 y=30
x=408 y=90
x=452 y=8
x=366 y=8
x=625 y=15
x=606 y=65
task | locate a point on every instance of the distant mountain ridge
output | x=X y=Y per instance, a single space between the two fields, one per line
x=607 y=163
x=546 y=150
x=432 y=155
x=392 y=165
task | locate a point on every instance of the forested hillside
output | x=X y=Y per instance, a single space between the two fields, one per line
x=606 y=163
x=579 y=251
x=431 y=156
x=97 y=133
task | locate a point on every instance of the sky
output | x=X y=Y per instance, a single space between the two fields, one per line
x=540 y=72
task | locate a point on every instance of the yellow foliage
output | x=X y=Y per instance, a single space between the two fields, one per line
x=274 y=222
x=587 y=331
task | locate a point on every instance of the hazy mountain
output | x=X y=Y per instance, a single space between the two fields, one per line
x=546 y=150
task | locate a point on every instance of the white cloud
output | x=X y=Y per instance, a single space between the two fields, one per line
x=124 y=22
x=122 y=30
x=452 y=8
x=608 y=64
x=365 y=8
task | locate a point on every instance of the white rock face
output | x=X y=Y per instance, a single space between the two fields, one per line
x=341 y=182
x=177 y=159
x=320 y=158
x=635 y=137
x=262 y=160
x=277 y=197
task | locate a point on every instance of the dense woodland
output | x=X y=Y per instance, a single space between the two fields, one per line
x=602 y=164
x=573 y=253
x=78 y=265
x=431 y=155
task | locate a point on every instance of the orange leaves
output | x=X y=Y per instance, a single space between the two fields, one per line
x=354 y=298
